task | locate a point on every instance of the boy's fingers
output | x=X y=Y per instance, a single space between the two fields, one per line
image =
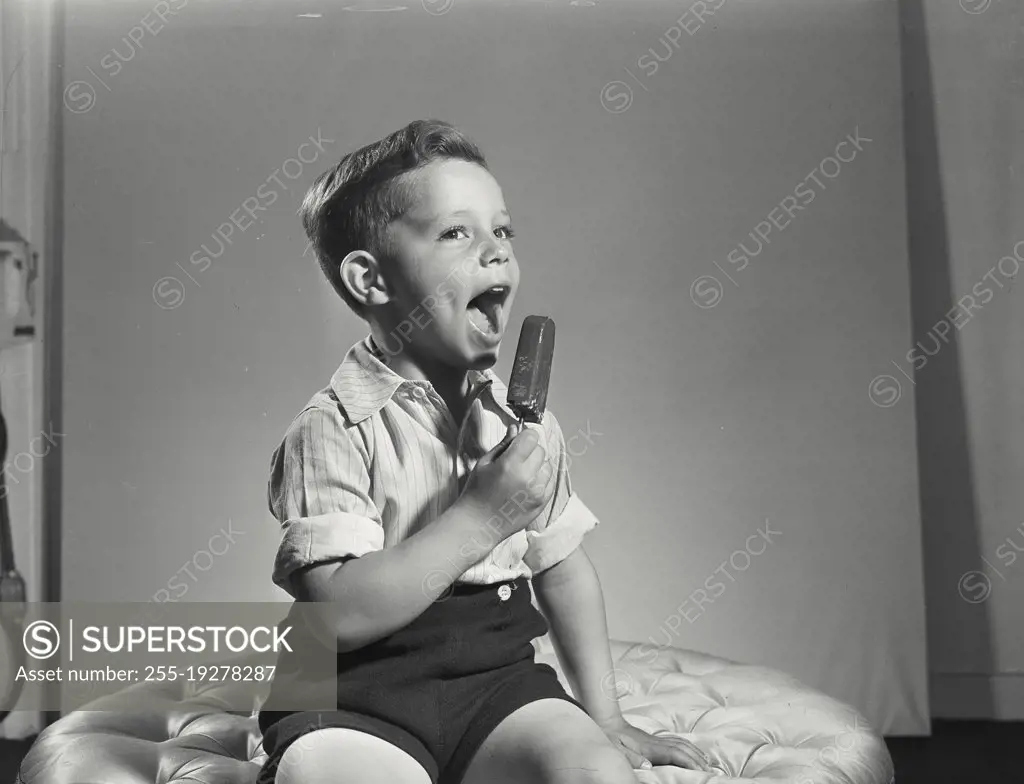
x=536 y=460
x=499 y=449
x=522 y=445
x=510 y=434
x=682 y=754
x=636 y=760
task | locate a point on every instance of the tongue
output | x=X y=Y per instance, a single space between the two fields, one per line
x=484 y=318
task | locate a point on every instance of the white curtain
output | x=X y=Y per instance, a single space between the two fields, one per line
x=25 y=72
x=965 y=147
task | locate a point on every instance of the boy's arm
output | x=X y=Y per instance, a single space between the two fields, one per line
x=332 y=551
x=370 y=597
x=570 y=596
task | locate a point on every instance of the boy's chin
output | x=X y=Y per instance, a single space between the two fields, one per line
x=474 y=351
x=480 y=357
x=463 y=351
x=485 y=360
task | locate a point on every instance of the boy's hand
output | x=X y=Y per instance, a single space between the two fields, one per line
x=511 y=483
x=644 y=750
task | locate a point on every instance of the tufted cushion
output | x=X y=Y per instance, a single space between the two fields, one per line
x=758 y=726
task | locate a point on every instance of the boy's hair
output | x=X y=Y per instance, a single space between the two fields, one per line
x=350 y=205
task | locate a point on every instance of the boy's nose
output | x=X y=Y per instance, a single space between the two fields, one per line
x=492 y=252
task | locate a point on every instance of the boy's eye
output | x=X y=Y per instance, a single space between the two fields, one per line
x=453 y=232
x=504 y=232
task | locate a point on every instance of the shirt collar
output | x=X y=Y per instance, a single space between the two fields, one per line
x=364 y=384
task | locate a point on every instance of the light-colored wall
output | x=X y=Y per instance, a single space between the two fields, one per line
x=965 y=142
x=711 y=420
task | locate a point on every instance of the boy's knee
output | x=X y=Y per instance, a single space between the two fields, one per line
x=335 y=755
x=596 y=765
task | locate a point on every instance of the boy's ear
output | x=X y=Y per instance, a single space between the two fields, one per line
x=361 y=274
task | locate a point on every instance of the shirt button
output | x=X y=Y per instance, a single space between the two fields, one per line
x=504 y=593
x=419 y=392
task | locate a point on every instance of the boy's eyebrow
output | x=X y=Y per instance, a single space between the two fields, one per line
x=503 y=211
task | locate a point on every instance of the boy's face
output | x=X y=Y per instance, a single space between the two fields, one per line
x=452 y=274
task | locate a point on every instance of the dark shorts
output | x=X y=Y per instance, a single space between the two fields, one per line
x=436 y=688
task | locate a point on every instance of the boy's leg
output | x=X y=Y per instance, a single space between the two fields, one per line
x=550 y=741
x=337 y=755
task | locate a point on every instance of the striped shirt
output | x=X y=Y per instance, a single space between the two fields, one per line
x=374 y=457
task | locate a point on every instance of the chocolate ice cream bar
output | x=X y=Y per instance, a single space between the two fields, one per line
x=528 y=386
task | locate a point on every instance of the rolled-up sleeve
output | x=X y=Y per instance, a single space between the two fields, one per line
x=560 y=528
x=319 y=492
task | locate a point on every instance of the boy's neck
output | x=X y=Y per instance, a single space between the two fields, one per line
x=450 y=383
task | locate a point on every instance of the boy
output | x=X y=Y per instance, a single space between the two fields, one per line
x=417 y=515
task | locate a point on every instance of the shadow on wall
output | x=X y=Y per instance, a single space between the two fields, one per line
x=949 y=513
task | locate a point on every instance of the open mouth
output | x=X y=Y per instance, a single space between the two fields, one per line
x=486 y=311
